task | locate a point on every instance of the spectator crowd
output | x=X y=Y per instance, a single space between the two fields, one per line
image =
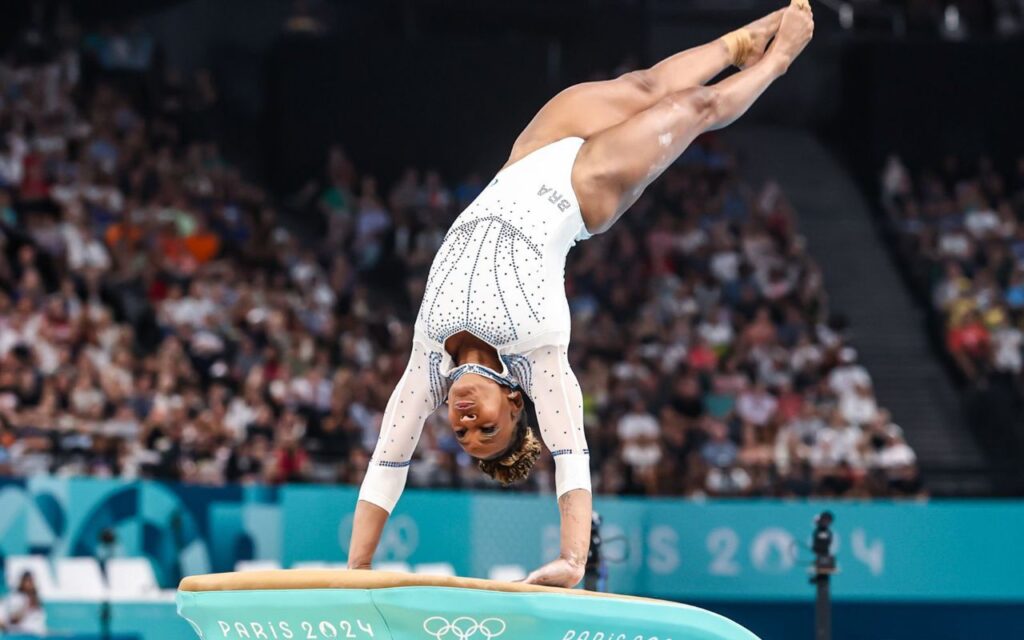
x=958 y=230
x=162 y=316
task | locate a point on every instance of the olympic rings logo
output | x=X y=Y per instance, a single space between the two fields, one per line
x=464 y=627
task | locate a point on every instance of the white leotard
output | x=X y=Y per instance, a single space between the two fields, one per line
x=500 y=275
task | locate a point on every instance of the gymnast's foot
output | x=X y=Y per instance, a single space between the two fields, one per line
x=795 y=31
x=760 y=31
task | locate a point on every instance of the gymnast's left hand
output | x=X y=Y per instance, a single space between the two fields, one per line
x=559 y=573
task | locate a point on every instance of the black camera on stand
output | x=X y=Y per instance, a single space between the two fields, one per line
x=595 y=576
x=821 y=544
x=106 y=550
x=821 y=574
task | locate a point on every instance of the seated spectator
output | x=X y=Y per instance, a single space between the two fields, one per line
x=848 y=375
x=836 y=455
x=858 y=407
x=899 y=463
x=960 y=235
x=21 y=611
x=201 y=243
x=639 y=434
x=756 y=406
x=720 y=455
x=969 y=343
x=291 y=462
x=888 y=456
x=1007 y=348
x=719 y=451
x=6 y=441
x=794 y=440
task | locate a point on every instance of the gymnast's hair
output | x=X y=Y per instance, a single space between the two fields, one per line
x=515 y=463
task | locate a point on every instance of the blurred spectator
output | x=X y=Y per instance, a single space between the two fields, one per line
x=720 y=454
x=755 y=406
x=640 y=434
x=957 y=227
x=961 y=233
x=21 y=611
x=836 y=455
x=129 y=49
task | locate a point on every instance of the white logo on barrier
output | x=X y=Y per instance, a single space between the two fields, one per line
x=873 y=554
x=773 y=551
x=464 y=627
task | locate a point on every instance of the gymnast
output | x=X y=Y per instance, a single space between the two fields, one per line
x=494 y=321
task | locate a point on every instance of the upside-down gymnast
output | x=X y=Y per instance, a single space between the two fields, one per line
x=494 y=321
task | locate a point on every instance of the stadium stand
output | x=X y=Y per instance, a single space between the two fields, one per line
x=160 y=319
x=956 y=231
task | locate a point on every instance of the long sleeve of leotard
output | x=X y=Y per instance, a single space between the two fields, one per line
x=420 y=391
x=558 y=400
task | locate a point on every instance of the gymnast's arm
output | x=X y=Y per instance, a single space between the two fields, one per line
x=558 y=401
x=367 y=526
x=412 y=401
x=567 y=570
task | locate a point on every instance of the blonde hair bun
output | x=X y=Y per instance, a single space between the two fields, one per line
x=516 y=464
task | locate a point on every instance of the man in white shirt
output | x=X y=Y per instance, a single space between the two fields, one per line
x=638 y=431
x=982 y=222
x=848 y=375
x=858 y=407
x=893 y=458
x=838 y=443
x=1007 y=341
x=896 y=454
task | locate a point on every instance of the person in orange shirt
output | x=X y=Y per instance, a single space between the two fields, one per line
x=123 y=233
x=203 y=244
x=969 y=344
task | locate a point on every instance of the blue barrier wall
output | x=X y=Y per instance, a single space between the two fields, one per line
x=714 y=551
x=769 y=620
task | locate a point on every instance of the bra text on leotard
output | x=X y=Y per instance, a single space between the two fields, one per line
x=555 y=198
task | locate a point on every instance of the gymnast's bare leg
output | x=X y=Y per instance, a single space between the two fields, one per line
x=637 y=124
x=614 y=166
x=586 y=109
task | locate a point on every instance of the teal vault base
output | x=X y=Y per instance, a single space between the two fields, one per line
x=442 y=613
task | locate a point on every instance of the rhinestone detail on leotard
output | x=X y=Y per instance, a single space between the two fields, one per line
x=438 y=385
x=490 y=258
x=520 y=370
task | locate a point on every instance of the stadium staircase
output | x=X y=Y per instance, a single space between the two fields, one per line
x=885 y=325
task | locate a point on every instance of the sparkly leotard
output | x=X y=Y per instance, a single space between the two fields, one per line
x=500 y=275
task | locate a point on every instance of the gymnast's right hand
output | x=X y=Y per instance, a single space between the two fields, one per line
x=559 y=573
x=794 y=33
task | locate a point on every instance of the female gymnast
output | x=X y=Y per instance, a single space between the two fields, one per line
x=494 y=321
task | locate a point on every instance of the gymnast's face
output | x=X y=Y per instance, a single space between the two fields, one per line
x=483 y=415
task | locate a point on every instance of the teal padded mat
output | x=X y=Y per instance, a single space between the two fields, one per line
x=443 y=613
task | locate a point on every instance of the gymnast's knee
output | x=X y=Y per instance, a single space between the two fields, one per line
x=644 y=81
x=703 y=102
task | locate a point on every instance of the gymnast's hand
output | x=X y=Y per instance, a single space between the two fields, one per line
x=560 y=573
x=576 y=510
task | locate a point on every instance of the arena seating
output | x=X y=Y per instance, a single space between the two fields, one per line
x=165 y=317
x=956 y=230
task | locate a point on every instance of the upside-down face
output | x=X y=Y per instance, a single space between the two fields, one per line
x=483 y=415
